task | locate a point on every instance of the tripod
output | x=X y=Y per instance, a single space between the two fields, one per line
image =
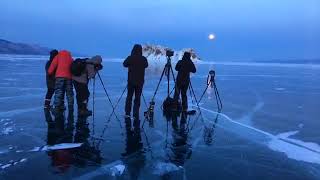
x=212 y=83
x=167 y=70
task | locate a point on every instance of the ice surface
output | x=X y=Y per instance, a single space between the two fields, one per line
x=18 y=111
x=294 y=149
x=258 y=64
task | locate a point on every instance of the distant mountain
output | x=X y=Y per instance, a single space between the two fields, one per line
x=7 y=47
x=156 y=55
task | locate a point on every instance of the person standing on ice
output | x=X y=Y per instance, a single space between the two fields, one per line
x=80 y=82
x=184 y=68
x=136 y=64
x=61 y=66
x=50 y=79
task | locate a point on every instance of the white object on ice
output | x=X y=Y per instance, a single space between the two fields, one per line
x=61 y=146
x=115 y=168
x=57 y=147
x=5 y=166
x=162 y=168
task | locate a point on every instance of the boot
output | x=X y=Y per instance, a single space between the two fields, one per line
x=56 y=111
x=83 y=111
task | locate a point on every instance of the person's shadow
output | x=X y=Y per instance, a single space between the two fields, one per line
x=134 y=155
x=179 y=149
x=58 y=133
x=62 y=131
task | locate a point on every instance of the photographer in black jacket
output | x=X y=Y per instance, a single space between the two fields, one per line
x=51 y=80
x=184 y=68
x=136 y=64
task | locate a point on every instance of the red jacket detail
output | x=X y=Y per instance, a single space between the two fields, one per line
x=61 y=65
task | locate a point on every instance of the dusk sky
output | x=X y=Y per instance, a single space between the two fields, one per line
x=244 y=29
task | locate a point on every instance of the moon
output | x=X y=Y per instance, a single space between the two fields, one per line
x=211 y=36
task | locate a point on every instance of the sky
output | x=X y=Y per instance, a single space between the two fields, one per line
x=244 y=29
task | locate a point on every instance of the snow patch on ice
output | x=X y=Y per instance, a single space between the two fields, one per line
x=7 y=131
x=301 y=125
x=12 y=163
x=296 y=149
x=115 y=168
x=6 y=166
x=162 y=168
x=280 y=89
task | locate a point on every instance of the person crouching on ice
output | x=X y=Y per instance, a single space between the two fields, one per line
x=50 y=79
x=61 y=67
x=136 y=64
x=86 y=70
x=184 y=68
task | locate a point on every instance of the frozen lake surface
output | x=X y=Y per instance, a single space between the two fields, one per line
x=268 y=128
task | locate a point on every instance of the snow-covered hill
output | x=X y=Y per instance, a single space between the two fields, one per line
x=157 y=59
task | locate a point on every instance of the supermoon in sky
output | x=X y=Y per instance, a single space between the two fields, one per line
x=211 y=37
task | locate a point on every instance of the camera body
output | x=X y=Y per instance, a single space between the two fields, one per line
x=169 y=53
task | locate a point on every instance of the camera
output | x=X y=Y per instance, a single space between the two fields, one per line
x=169 y=53
x=212 y=73
x=149 y=113
x=210 y=79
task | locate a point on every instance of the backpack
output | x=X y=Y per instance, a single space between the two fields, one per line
x=78 y=66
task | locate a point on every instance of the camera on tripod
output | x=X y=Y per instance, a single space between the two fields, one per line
x=211 y=78
x=149 y=113
x=169 y=53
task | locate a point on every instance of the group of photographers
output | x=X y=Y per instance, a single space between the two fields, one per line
x=62 y=74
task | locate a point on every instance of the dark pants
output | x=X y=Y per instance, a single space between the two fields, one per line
x=63 y=86
x=50 y=92
x=137 y=91
x=83 y=94
x=182 y=88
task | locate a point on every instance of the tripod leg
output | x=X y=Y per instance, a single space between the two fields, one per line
x=116 y=105
x=109 y=99
x=218 y=96
x=144 y=100
x=93 y=103
x=155 y=92
x=205 y=90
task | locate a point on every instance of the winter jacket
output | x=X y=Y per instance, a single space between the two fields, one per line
x=136 y=65
x=61 y=65
x=90 y=70
x=184 y=68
